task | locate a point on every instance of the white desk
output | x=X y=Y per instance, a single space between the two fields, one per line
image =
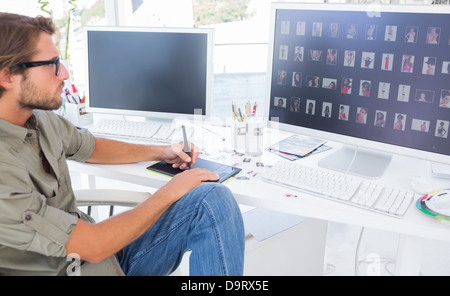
x=413 y=227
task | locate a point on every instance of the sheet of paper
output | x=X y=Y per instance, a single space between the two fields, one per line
x=297 y=145
x=263 y=223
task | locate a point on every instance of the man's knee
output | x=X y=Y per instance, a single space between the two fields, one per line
x=221 y=194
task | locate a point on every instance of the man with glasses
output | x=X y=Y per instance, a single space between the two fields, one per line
x=55 y=62
x=40 y=224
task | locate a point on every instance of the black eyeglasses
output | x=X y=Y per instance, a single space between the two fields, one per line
x=38 y=64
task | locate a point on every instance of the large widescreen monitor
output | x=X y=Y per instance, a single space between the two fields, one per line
x=370 y=76
x=151 y=72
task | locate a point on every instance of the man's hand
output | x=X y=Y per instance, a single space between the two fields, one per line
x=184 y=182
x=175 y=155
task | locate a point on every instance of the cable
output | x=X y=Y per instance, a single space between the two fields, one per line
x=329 y=269
x=387 y=261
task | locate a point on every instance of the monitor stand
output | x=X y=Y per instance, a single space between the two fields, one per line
x=357 y=161
x=158 y=120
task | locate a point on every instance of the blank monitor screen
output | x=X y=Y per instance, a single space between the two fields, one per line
x=356 y=73
x=158 y=72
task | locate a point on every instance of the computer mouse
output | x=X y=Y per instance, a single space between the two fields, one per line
x=420 y=185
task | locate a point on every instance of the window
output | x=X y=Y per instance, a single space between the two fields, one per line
x=241 y=34
x=83 y=12
x=240 y=28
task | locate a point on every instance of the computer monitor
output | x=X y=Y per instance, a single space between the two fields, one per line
x=374 y=77
x=161 y=73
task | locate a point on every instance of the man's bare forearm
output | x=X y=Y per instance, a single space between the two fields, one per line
x=96 y=242
x=109 y=151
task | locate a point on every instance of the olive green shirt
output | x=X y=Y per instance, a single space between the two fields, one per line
x=38 y=210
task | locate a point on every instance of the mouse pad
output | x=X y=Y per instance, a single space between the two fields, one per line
x=224 y=171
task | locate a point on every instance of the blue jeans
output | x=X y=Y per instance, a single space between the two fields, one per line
x=207 y=221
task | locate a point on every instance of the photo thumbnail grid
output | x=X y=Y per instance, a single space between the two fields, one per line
x=391 y=72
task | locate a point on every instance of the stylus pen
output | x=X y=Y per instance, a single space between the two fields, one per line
x=187 y=149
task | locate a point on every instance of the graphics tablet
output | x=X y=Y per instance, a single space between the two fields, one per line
x=224 y=171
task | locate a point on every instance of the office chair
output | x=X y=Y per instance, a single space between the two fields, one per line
x=109 y=197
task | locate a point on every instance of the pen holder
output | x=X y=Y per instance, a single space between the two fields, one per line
x=76 y=114
x=239 y=130
x=254 y=136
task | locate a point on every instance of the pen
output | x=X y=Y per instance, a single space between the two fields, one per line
x=248 y=110
x=254 y=109
x=187 y=149
x=240 y=114
x=233 y=110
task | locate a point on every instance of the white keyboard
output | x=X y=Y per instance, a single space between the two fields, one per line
x=159 y=131
x=340 y=187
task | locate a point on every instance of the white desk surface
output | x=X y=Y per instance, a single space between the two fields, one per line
x=257 y=193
